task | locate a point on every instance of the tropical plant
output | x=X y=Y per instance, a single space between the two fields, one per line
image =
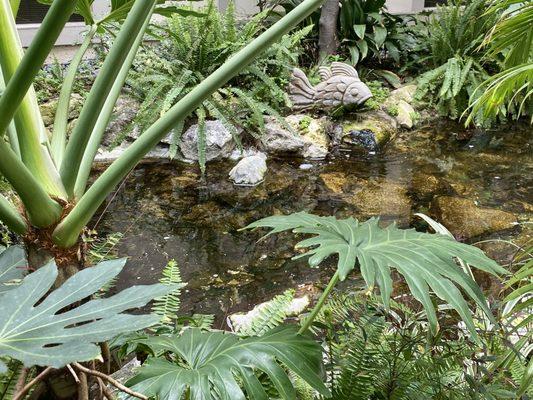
x=367 y=30
x=193 y=49
x=53 y=329
x=376 y=353
x=426 y=261
x=213 y=365
x=511 y=88
x=449 y=44
x=52 y=184
x=49 y=178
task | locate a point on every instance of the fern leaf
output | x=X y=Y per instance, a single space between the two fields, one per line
x=167 y=306
x=265 y=316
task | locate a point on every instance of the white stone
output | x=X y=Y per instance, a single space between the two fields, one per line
x=249 y=171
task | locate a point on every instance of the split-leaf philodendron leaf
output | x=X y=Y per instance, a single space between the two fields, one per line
x=35 y=329
x=224 y=363
x=426 y=261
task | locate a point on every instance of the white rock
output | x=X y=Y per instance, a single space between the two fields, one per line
x=249 y=171
x=219 y=142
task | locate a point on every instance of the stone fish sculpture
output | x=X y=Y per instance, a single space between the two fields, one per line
x=340 y=86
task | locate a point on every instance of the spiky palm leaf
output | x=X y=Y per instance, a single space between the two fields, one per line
x=426 y=261
x=217 y=365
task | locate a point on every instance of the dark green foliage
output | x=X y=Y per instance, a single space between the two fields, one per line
x=375 y=354
x=217 y=365
x=366 y=30
x=195 y=47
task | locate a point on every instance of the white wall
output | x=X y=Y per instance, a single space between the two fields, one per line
x=72 y=34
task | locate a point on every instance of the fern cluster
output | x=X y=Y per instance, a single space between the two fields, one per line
x=450 y=51
x=376 y=354
x=195 y=47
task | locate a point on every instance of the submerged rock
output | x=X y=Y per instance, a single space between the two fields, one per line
x=371 y=131
x=466 y=220
x=382 y=198
x=219 y=142
x=249 y=171
x=334 y=181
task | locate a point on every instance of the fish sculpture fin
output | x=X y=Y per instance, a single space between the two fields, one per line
x=324 y=73
x=302 y=93
x=339 y=68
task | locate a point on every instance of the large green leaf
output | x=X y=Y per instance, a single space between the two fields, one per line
x=39 y=331
x=217 y=365
x=12 y=266
x=426 y=261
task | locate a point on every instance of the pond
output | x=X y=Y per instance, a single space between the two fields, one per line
x=169 y=211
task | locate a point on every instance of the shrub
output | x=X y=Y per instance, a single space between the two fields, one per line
x=449 y=48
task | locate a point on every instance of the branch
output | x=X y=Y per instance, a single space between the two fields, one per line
x=110 y=380
x=20 y=395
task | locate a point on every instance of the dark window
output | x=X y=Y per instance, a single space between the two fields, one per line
x=434 y=3
x=33 y=12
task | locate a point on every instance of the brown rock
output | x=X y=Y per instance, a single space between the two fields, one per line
x=382 y=199
x=334 y=181
x=466 y=220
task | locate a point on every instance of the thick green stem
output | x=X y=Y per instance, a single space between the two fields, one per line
x=11 y=129
x=101 y=88
x=59 y=134
x=33 y=59
x=103 y=119
x=309 y=320
x=42 y=210
x=11 y=217
x=67 y=232
x=19 y=99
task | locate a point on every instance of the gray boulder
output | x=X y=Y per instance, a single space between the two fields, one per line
x=249 y=171
x=219 y=142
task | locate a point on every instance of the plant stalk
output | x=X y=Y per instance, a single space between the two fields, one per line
x=11 y=217
x=42 y=210
x=105 y=116
x=67 y=231
x=103 y=84
x=59 y=134
x=19 y=99
x=309 y=320
x=34 y=57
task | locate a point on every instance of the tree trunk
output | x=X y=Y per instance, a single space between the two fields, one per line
x=327 y=25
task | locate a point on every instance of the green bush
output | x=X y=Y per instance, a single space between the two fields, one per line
x=450 y=52
x=192 y=49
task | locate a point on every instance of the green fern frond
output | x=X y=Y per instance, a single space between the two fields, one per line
x=265 y=316
x=167 y=306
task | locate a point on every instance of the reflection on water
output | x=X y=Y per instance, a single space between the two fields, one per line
x=168 y=211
